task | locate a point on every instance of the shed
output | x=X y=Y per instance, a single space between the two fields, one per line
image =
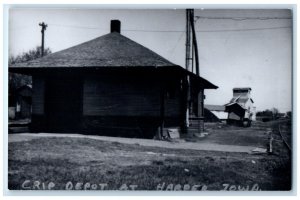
x=110 y=85
x=215 y=113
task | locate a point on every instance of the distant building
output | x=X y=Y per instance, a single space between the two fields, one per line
x=240 y=108
x=215 y=113
x=20 y=103
x=24 y=101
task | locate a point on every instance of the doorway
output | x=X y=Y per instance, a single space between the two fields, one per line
x=63 y=104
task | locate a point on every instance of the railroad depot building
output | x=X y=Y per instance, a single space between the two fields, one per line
x=112 y=85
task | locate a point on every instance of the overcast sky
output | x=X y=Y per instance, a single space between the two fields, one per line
x=237 y=48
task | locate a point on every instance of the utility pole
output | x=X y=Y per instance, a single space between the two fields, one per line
x=188 y=65
x=191 y=54
x=195 y=45
x=44 y=26
x=188 y=58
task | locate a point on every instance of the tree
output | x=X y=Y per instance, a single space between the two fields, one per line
x=268 y=115
x=265 y=113
x=275 y=113
x=17 y=80
x=289 y=114
x=27 y=56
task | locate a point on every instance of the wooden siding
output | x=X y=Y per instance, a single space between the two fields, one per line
x=120 y=103
x=200 y=105
x=173 y=100
x=38 y=96
x=117 y=96
x=145 y=127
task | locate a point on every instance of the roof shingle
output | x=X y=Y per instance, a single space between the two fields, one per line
x=110 y=50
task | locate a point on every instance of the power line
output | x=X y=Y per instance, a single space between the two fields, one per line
x=171 y=31
x=80 y=27
x=220 y=30
x=178 y=31
x=249 y=29
x=180 y=37
x=242 y=18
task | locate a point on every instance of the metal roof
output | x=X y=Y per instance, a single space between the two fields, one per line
x=245 y=88
x=215 y=107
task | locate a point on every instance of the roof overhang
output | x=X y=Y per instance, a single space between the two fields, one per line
x=201 y=82
x=234 y=106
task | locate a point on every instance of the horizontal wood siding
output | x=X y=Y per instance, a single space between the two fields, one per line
x=120 y=96
x=38 y=96
x=173 y=105
x=145 y=127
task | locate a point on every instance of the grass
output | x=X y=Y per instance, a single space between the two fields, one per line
x=233 y=135
x=86 y=162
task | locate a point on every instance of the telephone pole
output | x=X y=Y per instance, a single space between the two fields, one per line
x=191 y=51
x=195 y=45
x=188 y=64
x=44 y=26
x=188 y=58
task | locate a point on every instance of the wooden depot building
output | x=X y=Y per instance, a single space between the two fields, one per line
x=111 y=85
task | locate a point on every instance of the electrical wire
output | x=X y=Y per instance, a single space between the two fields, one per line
x=242 y=18
x=167 y=31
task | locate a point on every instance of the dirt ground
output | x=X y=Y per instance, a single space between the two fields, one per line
x=61 y=163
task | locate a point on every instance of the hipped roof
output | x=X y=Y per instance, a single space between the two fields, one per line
x=112 y=50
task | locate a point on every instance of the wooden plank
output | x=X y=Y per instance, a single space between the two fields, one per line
x=107 y=96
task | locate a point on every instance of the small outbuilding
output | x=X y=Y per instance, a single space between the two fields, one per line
x=215 y=113
x=21 y=103
x=111 y=85
x=24 y=101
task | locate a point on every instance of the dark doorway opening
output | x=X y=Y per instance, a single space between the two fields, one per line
x=63 y=104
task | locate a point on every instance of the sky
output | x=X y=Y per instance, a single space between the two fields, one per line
x=237 y=48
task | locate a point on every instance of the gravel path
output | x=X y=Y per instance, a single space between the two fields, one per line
x=143 y=142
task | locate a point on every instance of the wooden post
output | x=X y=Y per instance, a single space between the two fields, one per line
x=200 y=110
x=270 y=142
x=162 y=113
